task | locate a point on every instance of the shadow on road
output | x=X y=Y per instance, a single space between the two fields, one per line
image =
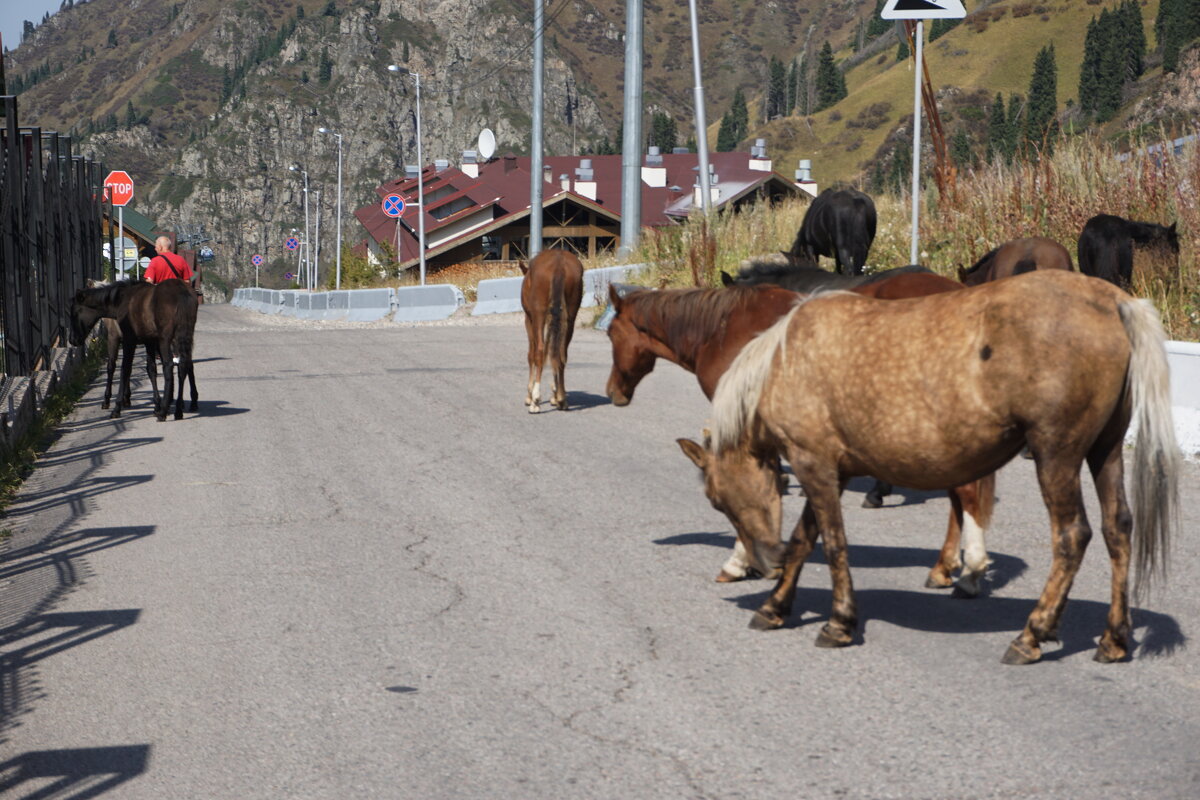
x=73 y=774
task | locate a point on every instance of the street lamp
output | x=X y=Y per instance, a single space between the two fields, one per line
x=420 y=170
x=338 y=279
x=307 y=249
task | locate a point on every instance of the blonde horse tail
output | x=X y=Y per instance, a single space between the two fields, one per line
x=1156 y=455
x=735 y=401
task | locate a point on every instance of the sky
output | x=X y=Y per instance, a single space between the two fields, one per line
x=13 y=14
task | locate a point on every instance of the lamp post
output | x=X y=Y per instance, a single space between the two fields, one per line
x=307 y=249
x=420 y=170
x=337 y=284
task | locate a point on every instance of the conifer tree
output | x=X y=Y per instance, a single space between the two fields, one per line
x=662 y=131
x=831 y=84
x=776 y=89
x=792 y=77
x=1041 y=123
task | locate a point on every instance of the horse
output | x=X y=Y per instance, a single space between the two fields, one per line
x=1055 y=359
x=1106 y=246
x=112 y=339
x=551 y=294
x=808 y=278
x=702 y=330
x=1017 y=257
x=161 y=316
x=839 y=224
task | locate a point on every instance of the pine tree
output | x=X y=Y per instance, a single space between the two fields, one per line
x=902 y=51
x=997 y=125
x=1089 y=69
x=726 y=141
x=1041 y=123
x=831 y=84
x=962 y=150
x=325 y=67
x=878 y=25
x=792 y=77
x=803 y=89
x=131 y=117
x=740 y=116
x=112 y=37
x=776 y=89
x=662 y=132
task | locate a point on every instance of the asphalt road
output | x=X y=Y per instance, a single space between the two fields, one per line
x=363 y=570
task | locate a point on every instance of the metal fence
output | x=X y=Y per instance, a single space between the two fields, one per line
x=51 y=211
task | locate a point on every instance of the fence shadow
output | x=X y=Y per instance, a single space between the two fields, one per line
x=74 y=774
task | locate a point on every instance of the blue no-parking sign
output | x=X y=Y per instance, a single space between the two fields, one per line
x=257 y=260
x=292 y=243
x=393 y=205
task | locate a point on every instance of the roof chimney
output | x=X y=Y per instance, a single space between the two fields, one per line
x=654 y=174
x=410 y=170
x=758 y=156
x=440 y=164
x=510 y=163
x=585 y=183
x=804 y=177
x=470 y=163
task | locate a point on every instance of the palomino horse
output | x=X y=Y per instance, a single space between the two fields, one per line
x=840 y=224
x=161 y=316
x=703 y=330
x=1015 y=258
x=1106 y=246
x=946 y=390
x=551 y=295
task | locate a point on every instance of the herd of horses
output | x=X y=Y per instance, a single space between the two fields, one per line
x=913 y=379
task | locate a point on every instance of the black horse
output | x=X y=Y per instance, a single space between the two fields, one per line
x=806 y=279
x=839 y=224
x=161 y=316
x=1106 y=246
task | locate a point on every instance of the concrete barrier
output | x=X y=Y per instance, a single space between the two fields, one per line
x=596 y=282
x=427 y=303
x=498 y=296
x=1184 y=358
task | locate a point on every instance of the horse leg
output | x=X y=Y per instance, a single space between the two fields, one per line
x=1070 y=534
x=977 y=499
x=778 y=607
x=124 y=392
x=1108 y=474
x=113 y=344
x=949 y=558
x=152 y=356
x=183 y=372
x=874 y=497
x=191 y=374
x=533 y=394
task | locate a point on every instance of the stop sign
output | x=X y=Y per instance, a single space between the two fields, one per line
x=119 y=186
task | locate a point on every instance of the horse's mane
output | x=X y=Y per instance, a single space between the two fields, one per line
x=785 y=275
x=687 y=318
x=111 y=293
x=982 y=263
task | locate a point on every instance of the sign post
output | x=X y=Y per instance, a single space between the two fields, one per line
x=257 y=261
x=919 y=10
x=118 y=186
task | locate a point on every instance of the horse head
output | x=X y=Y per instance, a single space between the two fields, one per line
x=632 y=359
x=84 y=316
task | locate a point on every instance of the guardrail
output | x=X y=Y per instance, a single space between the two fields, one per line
x=405 y=304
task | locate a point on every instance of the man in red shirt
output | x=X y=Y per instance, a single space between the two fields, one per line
x=160 y=267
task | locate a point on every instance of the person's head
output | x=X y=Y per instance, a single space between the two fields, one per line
x=162 y=244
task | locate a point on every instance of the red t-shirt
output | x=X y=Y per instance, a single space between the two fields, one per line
x=158 y=271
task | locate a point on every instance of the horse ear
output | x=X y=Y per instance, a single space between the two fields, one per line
x=614 y=296
x=524 y=265
x=726 y=278
x=693 y=450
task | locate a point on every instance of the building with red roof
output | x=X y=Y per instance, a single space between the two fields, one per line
x=479 y=211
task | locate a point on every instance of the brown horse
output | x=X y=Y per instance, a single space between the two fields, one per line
x=703 y=330
x=551 y=294
x=161 y=316
x=946 y=390
x=1015 y=258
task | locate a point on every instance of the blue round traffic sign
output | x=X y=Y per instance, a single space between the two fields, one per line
x=287 y=276
x=257 y=260
x=292 y=243
x=393 y=205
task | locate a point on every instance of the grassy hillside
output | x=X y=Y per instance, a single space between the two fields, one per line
x=992 y=50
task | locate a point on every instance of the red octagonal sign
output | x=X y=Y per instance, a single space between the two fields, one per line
x=119 y=187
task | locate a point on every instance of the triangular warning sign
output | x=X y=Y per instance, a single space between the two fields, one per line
x=923 y=9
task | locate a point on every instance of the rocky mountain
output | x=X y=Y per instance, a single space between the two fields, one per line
x=208 y=103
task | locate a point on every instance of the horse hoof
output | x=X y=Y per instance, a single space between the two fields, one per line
x=106 y=405
x=1110 y=653
x=1018 y=654
x=533 y=409
x=162 y=418
x=116 y=414
x=872 y=501
x=765 y=621
x=194 y=407
x=178 y=415
x=828 y=637
x=729 y=577
x=964 y=591
x=938 y=581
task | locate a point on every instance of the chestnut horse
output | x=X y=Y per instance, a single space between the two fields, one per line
x=703 y=330
x=947 y=389
x=1015 y=258
x=161 y=316
x=551 y=294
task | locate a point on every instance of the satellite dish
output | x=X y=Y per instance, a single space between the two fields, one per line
x=487 y=144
